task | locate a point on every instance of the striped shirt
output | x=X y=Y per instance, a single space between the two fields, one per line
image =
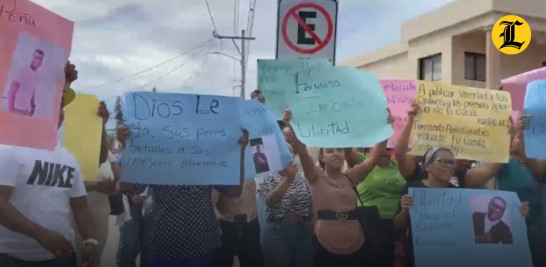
x=297 y=198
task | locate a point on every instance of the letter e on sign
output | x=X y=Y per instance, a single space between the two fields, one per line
x=307 y=29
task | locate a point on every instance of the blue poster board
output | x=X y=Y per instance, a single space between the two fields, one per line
x=449 y=228
x=535 y=134
x=265 y=136
x=182 y=139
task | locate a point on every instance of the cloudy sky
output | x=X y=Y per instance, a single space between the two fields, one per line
x=114 y=39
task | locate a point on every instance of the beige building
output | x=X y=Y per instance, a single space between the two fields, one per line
x=454 y=44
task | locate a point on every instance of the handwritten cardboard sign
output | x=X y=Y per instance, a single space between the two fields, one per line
x=34 y=49
x=276 y=76
x=82 y=134
x=473 y=122
x=535 y=134
x=517 y=85
x=182 y=139
x=400 y=95
x=267 y=151
x=339 y=107
x=448 y=225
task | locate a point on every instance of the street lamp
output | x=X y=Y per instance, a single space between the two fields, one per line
x=240 y=62
x=226 y=55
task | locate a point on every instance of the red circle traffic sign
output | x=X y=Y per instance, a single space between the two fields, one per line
x=320 y=43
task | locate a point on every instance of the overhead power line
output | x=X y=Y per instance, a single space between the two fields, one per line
x=211 y=17
x=203 y=50
x=152 y=67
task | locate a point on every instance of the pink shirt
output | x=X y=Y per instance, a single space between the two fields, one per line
x=339 y=237
x=28 y=82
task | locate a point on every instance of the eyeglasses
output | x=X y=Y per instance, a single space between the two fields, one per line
x=446 y=162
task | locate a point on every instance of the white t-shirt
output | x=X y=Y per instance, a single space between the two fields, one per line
x=489 y=224
x=43 y=182
x=28 y=82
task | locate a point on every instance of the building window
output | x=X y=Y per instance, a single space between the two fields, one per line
x=430 y=68
x=474 y=66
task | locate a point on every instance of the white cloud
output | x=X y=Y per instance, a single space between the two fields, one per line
x=116 y=38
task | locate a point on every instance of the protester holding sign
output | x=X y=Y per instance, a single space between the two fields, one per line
x=382 y=188
x=523 y=176
x=35 y=223
x=238 y=221
x=185 y=230
x=339 y=235
x=414 y=171
x=285 y=237
x=439 y=164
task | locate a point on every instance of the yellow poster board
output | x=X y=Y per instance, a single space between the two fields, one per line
x=473 y=122
x=82 y=134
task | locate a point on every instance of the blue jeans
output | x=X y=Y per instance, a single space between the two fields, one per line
x=134 y=239
x=204 y=261
x=260 y=204
x=287 y=244
x=9 y=261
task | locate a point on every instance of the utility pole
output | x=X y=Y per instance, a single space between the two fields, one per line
x=243 y=38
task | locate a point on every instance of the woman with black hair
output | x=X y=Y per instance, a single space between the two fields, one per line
x=439 y=165
x=339 y=237
x=412 y=170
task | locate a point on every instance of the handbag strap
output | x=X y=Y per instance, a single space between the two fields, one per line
x=354 y=189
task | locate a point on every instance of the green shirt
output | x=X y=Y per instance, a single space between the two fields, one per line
x=383 y=188
x=516 y=177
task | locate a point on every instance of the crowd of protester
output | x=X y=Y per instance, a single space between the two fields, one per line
x=306 y=215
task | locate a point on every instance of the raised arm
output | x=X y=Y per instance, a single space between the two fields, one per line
x=401 y=220
x=535 y=166
x=236 y=191
x=360 y=171
x=406 y=162
x=310 y=170
x=351 y=156
x=275 y=195
x=105 y=115
x=476 y=177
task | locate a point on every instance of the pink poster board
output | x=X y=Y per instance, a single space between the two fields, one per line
x=400 y=95
x=517 y=86
x=34 y=47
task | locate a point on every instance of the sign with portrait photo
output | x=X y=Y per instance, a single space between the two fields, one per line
x=468 y=227
x=34 y=49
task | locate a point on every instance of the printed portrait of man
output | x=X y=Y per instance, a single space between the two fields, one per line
x=260 y=160
x=489 y=228
x=23 y=86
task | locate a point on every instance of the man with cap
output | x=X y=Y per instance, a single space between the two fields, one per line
x=38 y=190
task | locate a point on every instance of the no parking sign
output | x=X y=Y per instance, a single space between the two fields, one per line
x=307 y=29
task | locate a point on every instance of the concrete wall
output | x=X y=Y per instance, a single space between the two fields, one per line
x=527 y=60
x=472 y=42
x=454 y=29
x=444 y=17
x=395 y=67
x=427 y=46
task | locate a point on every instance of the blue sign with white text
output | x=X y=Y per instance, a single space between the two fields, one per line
x=535 y=134
x=182 y=139
x=468 y=227
x=267 y=150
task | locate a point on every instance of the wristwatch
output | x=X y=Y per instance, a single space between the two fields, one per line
x=91 y=241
